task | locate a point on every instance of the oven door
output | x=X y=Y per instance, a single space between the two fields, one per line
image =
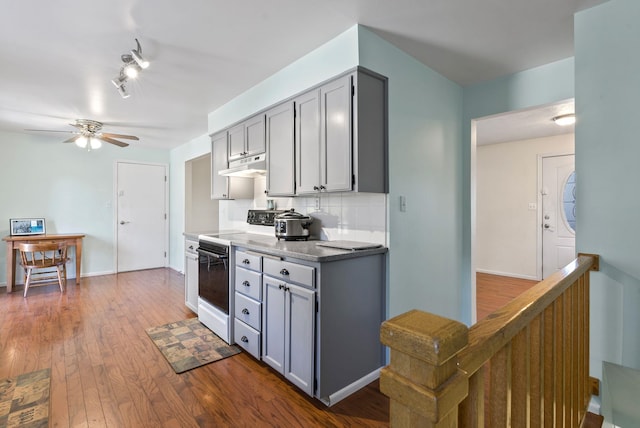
x=213 y=278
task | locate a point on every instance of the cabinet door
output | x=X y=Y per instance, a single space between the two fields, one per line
x=299 y=337
x=280 y=143
x=308 y=142
x=191 y=282
x=273 y=319
x=236 y=142
x=254 y=135
x=336 y=156
x=219 y=184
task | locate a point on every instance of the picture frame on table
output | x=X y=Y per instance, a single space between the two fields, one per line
x=27 y=226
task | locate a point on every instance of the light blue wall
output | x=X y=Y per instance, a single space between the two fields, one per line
x=71 y=188
x=330 y=59
x=538 y=86
x=425 y=152
x=607 y=155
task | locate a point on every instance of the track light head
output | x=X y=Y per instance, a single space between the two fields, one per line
x=123 y=91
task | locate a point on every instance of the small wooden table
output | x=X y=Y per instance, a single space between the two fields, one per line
x=12 y=245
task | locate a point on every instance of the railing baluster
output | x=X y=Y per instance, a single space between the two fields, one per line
x=536 y=371
x=520 y=379
x=500 y=387
x=548 y=386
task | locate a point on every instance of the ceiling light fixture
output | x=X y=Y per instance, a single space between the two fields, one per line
x=134 y=63
x=565 y=119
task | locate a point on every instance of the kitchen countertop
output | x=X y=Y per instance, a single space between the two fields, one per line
x=302 y=250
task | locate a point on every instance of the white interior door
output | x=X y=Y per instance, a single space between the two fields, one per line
x=141 y=216
x=558 y=213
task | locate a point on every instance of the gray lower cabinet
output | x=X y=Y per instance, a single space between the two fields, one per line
x=191 y=275
x=247 y=323
x=288 y=331
x=320 y=320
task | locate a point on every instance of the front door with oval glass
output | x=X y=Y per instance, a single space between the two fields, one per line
x=558 y=212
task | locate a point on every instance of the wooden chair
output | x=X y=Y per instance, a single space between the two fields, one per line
x=39 y=260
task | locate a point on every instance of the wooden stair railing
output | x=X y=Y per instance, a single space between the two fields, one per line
x=528 y=361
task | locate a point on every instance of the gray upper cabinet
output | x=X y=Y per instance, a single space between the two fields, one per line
x=308 y=142
x=226 y=187
x=335 y=135
x=341 y=136
x=247 y=138
x=280 y=150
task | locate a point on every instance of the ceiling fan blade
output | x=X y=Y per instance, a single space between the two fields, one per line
x=50 y=130
x=111 y=140
x=72 y=139
x=127 y=137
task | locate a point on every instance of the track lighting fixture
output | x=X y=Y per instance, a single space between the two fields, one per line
x=133 y=64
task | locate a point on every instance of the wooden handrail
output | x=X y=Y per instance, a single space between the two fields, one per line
x=534 y=353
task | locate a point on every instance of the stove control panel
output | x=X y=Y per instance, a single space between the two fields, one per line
x=263 y=217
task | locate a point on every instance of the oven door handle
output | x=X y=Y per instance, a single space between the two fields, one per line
x=214 y=255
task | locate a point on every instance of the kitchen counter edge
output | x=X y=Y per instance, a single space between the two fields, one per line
x=304 y=250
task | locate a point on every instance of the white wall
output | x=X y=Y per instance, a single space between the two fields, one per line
x=506 y=182
x=177 y=199
x=73 y=189
x=201 y=212
x=338 y=216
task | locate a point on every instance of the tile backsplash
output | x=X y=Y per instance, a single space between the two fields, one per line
x=336 y=216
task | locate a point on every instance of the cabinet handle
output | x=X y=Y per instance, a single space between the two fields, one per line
x=281 y=286
x=246 y=283
x=246 y=262
x=244 y=339
x=284 y=272
x=322 y=188
x=245 y=311
x=316 y=188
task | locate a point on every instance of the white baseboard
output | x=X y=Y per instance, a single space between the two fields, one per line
x=512 y=275
x=350 y=389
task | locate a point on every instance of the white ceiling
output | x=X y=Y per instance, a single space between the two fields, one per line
x=58 y=57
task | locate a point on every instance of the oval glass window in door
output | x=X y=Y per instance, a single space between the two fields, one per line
x=569 y=201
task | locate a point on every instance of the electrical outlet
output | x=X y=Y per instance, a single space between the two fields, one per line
x=317 y=202
x=533 y=206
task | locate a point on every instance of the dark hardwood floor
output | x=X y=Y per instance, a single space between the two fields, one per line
x=106 y=372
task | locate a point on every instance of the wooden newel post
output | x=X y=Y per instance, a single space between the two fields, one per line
x=422 y=380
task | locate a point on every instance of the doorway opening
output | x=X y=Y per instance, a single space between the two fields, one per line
x=506 y=199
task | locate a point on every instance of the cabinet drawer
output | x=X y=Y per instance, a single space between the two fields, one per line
x=248 y=311
x=249 y=283
x=249 y=260
x=247 y=338
x=290 y=272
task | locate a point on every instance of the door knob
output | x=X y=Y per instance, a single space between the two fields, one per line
x=547 y=226
x=123 y=222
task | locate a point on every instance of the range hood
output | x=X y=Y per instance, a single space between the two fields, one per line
x=248 y=167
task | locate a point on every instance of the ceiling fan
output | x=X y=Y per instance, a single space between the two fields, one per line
x=88 y=135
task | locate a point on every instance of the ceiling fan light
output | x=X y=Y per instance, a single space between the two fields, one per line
x=565 y=119
x=81 y=142
x=95 y=143
x=142 y=62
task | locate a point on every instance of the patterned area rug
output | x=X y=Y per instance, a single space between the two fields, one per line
x=189 y=344
x=24 y=400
